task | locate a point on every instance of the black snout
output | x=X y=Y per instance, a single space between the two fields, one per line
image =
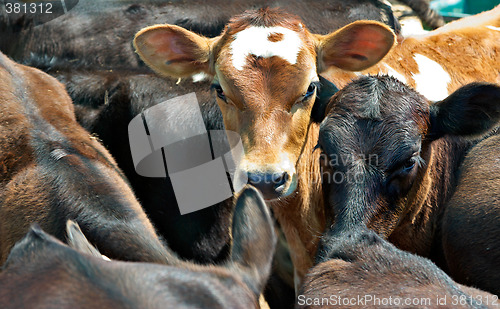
x=271 y=185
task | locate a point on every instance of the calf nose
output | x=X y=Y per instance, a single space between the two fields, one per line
x=270 y=184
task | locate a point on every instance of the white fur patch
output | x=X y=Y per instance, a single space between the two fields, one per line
x=433 y=80
x=395 y=74
x=412 y=27
x=493 y=28
x=199 y=77
x=313 y=75
x=58 y=153
x=254 y=41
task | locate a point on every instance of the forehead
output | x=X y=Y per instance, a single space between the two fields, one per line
x=374 y=114
x=381 y=99
x=265 y=40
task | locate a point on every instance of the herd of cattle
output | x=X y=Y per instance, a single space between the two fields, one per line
x=383 y=194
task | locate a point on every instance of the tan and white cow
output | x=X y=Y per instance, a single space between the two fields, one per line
x=439 y=62
x=265 y=68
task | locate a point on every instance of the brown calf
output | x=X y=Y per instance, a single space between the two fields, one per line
x=52 y=170
x=44 y=273
x=365 y=271
x=265 y=73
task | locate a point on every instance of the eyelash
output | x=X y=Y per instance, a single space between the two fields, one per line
x=410 y=164
x=219 y=92
x=310 y=91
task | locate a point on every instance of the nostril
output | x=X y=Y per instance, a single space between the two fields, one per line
x=281 y=180
x=272 y=185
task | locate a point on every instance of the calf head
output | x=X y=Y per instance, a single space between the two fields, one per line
x=362 y=268
x=265 y=68
x=375 y=135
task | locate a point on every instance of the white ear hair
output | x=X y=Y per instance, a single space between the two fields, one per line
x=78 y=241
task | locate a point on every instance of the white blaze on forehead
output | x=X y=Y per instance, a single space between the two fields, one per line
x=432 y=80
x=493 y=28
x=254 y=41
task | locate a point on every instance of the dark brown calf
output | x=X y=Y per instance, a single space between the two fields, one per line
x=414 y=173
x=365 y=271
x=52 y=170
x=44 y=273
x=470 y=227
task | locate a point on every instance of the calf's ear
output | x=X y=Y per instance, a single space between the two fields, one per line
x=254 y=239
x=355 y=47
x=78 y=241
x=472 y=110
x=173 y=51
x=32 y=245
x=326 y=92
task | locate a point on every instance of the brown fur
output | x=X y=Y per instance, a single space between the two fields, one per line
x=301 y=217
x=46 y=273
x=369 y=272
x=42 y=272
x=53 y=170
x=275 y=37
x=466 y=49
x=469 y=243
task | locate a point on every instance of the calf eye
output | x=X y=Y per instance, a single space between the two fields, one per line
x=409 y=165
x=310 y=90
x=401 y=180
x=219 y=91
